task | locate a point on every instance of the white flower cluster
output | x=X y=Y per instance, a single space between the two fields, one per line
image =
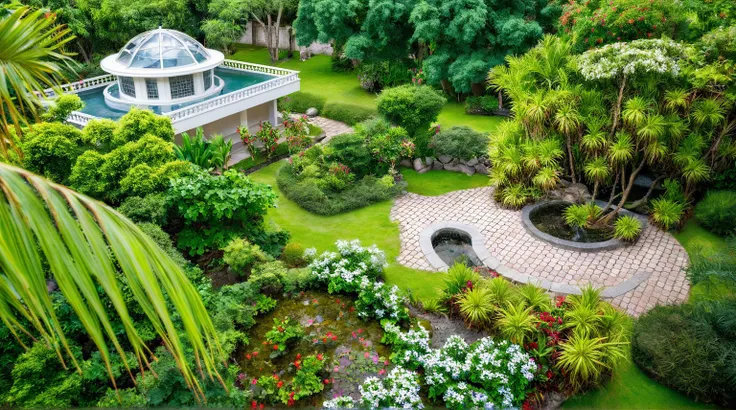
x=462 y=395
x=386 y=302
x=340 y=402
x=636 y=57
x=409 y=348
x=400 y=389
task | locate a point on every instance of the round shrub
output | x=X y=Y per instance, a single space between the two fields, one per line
x=240 y=255
x=351 y=150
x=626 y=228
x=413 y=108
x=50 y=149
x=717 y=212
x=460 y=142
x=150 y=208
x=293 y=255
x=688 y=349
x=62 y=107
x=666 y=212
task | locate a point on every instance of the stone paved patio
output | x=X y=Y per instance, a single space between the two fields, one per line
x=506 y=239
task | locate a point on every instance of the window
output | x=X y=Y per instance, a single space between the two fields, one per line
x=207 y=79
x=152 y=88
x=127 y=86
x=181 y=86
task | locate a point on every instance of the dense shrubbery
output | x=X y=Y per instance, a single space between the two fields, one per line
x=717 y=212
x=690 y=348
x=348 y=113
x=51 y=149
x=300 y=102
x=376 y=76
x=460 y=142
x=486 y=104
x=413 y=108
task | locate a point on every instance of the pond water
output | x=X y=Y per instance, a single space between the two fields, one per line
x=453 y=245
x=351 y=347
x=550 y=219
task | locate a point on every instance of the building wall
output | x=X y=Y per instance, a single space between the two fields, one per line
x=228 y=126
x=284 y=33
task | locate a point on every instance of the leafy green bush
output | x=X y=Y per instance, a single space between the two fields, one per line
x=690 y=348
x=212 y=153
x=293 y=255
x=241 y=255
x=580 y=215
x=460 y=142
x=101 y=134
x=268 y=276
x=138 y=123
x=485 y=104
x=376 y=76
x=210 y=225
x=300 y=102
x=413 y=108
x=626 y=228
x=150 y=208
x=667 y=213
x=350 y=114
x=308 y=194
x=351 y=150
x=717 y=212
x=62 y=107
x=51 y=148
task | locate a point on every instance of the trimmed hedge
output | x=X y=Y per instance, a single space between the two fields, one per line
x=717 y=212
x=690 y=348
x=309 y=196
x=460 y=142
x=300 y=102
x=348 y=113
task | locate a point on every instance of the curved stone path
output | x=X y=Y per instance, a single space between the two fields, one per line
x=656 y=252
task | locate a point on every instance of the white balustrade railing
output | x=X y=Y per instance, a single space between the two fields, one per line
x=81 y=85
x=265 y=69
x=80 y=118
x=195 y=109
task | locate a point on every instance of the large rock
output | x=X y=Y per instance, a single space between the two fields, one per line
x=452 y=167
x=473 y=162
x=575 y=193
x=312 y=112
x=481 y=169
x=438 y=165
x=429 y=161
x=444 y=159
x=405 y=163
x=425 y=169
x=466 y=169
x=418 y=164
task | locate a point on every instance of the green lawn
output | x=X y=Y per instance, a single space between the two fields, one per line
x=435 y=183
x=318 y=78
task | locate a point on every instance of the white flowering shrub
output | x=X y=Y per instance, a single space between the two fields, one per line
x=400 y=389
x=636 y=57
x=467 y=376
x=407 y=348
x=340 y=402
x=356 y=269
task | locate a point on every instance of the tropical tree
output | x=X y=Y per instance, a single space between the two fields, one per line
x=48 y=230
x=31 y=59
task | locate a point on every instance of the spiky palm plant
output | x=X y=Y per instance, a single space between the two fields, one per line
x=584 y=359
x=622 y=149
x=677 y=99
x=667 y=213
x=626 y=228
x=46 y=228
x=31 y=60
x=517 y=323
x=652 y=127
x=546 y=178
x=476 y=306
x=533 y=296
x=708 y=112
x=515 y=196
x=635 y=111
x=500 y=289
x=597 y=170
x=457 y=278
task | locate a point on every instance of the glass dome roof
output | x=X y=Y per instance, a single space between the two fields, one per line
x=162 y=49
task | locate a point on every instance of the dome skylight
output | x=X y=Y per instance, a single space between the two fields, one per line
x=157 y=49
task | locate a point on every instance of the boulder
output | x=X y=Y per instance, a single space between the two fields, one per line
x=444 y=159
x=312 y=112
x=452 y=167
x=418 y=164
x=466 y=169
x=405 y=163
x=425 y=169
x=428 y=161
x=481 y=169
x=438 y=165
x=575 y=193
x=473 y=162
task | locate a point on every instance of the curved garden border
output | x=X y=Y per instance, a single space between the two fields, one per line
x=608 y=245
x=477 y=242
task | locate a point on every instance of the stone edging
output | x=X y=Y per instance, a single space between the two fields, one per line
x=608 y=245
x=477 y=241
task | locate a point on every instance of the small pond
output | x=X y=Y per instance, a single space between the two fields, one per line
x=454 y=245
x=550 y=219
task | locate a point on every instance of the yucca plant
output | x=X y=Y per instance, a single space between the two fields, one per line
x=581 y=215
x=500 y=289
x=614 y=325
x=589 y=296
x=582 y=359
x=626 y=228
x=530 y=295
x=433 y=305
x=476 y=307
x=546 y=178
x=667 y=213
x=515 y=196
x=83 y=244
x=583 y=319
x=517 y=323
x=457 y=278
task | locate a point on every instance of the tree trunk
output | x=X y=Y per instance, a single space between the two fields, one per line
x=595 y=191
x=277 y=29
x=617 y=108
x=643 y=200
x=291 y=43
x=607 y=219
x=253 y=33
x=500 y=99
x=82 y=51
x=613 y=191
x=571 y=158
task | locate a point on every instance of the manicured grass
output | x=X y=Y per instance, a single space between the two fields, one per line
x=698 y=241
x=435 y=183
x=370 y=224
x=318 y=78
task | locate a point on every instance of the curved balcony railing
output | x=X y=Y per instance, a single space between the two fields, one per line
x=82 y=85
x=258 y=68
x=80 y=118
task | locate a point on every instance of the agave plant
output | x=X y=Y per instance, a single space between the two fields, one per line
x=517 y=323
x=476 y=306
x=83 y=244
x=626 y=228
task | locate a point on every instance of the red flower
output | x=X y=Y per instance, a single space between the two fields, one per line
x=298 y=356
x=253 y=404
x=254 y=382
x=334 y=338
x=247 y=356
x=325 y=381
x=319 y=356
x=275 y=347
x=280 y=384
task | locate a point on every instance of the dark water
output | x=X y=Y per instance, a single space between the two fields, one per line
x=455 y=246
x=550 y=219
x=94 y=100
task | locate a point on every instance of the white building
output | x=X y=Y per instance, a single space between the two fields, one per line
x=174 y=75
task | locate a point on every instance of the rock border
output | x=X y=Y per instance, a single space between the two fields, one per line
x=478 y=243
x=608 y=245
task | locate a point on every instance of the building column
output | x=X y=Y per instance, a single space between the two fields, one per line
x=273 y=112
x=244 y=118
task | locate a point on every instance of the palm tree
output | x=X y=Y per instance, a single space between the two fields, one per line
x=708 y=112
x=597 y=170
x=82 y=244
x=635 y=111
x=567 y=120
x=31 y=54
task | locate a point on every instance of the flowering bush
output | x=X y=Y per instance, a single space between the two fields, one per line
x=636 y=57
x=391 y=147
x=296 y=131
x=306 y=382
x=269 y=136
x=379 y=301
x=340 y=402
x=408 y=348
x=282 y=334
x=400 y=389
x=248 y=139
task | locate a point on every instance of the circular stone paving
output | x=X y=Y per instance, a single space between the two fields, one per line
x=648 y=273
